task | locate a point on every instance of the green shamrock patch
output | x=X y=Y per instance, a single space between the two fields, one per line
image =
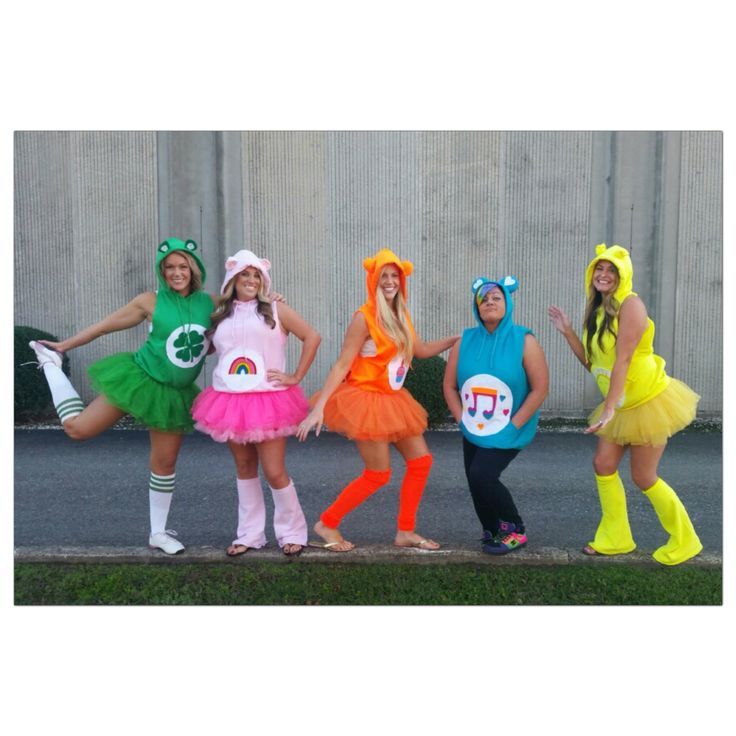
x=190 y=344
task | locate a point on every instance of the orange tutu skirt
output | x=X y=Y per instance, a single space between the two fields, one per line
x=368 y=415
x=653 y=422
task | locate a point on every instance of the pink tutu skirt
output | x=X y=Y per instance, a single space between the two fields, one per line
x=251 y=417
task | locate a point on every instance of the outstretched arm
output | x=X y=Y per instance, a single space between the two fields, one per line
x=292 y=322
x=132 y=314
x=561 y=322
x=632 y=322
x=449 y=384
x=355 y=336
x=435 y=347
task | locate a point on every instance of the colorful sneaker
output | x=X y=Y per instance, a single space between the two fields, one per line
x=509 y=538
x=165 y=542
x=45 y=355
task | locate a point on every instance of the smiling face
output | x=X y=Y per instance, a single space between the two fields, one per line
x=247 y=284
x=389 y=282
x=492 y=308
x=605 y=277
x=177 y=274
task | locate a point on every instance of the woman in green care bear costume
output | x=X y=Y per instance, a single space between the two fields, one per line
x=155 y=384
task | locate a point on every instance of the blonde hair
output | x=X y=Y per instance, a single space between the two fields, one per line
x=195 y=282
x=395 y=325
x=225 y=307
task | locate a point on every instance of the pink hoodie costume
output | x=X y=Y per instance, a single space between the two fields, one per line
x=244 y=407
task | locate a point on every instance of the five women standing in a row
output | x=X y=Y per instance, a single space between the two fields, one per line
x=495 y=382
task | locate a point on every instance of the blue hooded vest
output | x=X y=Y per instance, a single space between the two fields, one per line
x=491 y=377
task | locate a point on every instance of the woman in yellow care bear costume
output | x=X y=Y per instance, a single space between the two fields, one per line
x=643 y=406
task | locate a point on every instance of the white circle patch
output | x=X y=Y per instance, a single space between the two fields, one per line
x=238 y=371
x=397 y=370
x=187 y=346
x=487 y=404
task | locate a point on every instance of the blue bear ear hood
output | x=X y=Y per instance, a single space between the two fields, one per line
x=507 y=284
x=172 y=245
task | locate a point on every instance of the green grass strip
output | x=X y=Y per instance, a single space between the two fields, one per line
x=268 y=583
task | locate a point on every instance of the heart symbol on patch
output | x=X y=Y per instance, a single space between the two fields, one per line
x=480 y=426
x=502 y=398
x=505 y=412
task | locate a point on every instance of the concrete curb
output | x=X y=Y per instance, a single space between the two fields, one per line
x=541 y=556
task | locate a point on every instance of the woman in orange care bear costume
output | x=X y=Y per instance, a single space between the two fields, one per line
x=363 y=398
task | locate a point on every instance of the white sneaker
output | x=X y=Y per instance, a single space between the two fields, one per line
x=45 y=355
x=165 y=541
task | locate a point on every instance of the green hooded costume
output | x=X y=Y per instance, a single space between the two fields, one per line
x=156 y=384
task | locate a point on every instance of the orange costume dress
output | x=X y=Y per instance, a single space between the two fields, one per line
x=372 y=404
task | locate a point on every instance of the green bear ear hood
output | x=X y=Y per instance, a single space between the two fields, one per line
x=620 y=258
x=172 y=245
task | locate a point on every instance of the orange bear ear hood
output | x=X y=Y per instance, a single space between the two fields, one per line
x=374 y=265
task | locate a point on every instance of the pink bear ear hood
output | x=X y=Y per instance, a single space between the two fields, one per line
x=622 y=261
x=240 y=261
x=374 y=265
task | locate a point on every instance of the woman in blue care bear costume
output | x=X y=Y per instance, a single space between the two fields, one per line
x=495 y=381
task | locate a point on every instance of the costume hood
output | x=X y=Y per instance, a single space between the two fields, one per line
x=374 y=265
x=240 y=261
x=620 y=258
x=507 y=284
x=171 y=245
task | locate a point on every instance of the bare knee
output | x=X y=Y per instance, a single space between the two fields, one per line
x=643 y=479
x=277 y=480
x=246 y=468
x=604 y=466
x=76 y=430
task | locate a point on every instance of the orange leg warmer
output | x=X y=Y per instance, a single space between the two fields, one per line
x=412 y=487
x=353 y=495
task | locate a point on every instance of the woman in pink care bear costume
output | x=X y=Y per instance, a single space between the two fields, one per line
x=253 y=404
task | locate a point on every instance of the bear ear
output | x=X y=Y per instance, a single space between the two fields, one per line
x=600 y=248
x=266 y=264
x=407 y=267
x=511 y=283
x=164 y=247
x=190 y=245
x=230 y=263
x=369 y=264
x=476 y=284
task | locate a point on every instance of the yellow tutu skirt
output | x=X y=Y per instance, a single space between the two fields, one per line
x=368 y=415
x=653 y=422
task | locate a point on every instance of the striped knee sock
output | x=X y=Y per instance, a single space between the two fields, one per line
x=160 y=490
x=66 y=400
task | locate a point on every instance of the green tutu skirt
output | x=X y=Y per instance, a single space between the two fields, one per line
x=653 y=422
x=126 y=385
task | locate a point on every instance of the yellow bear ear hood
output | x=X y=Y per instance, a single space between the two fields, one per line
x=374 y=265
x=620 y=258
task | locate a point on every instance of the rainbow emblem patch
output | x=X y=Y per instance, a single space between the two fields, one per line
x=243 y=366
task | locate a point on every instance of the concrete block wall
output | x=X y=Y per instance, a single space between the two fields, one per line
x=458 y=204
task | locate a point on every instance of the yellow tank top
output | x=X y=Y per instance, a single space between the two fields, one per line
x=646 y=377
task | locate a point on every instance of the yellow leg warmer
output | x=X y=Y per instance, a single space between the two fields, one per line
x=613 y=536
x=683 y=542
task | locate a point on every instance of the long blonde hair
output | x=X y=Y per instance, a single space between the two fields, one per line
x=225 y=307
x=395 y=325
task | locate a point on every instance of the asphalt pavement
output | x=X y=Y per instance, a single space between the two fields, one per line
x=90 y=499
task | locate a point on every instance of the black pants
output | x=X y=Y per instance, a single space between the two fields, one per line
x=491 y=498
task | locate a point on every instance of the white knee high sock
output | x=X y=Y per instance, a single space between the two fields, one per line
x=66 y=400
x=251 y=513
x=289 y=523
x=160 y=491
